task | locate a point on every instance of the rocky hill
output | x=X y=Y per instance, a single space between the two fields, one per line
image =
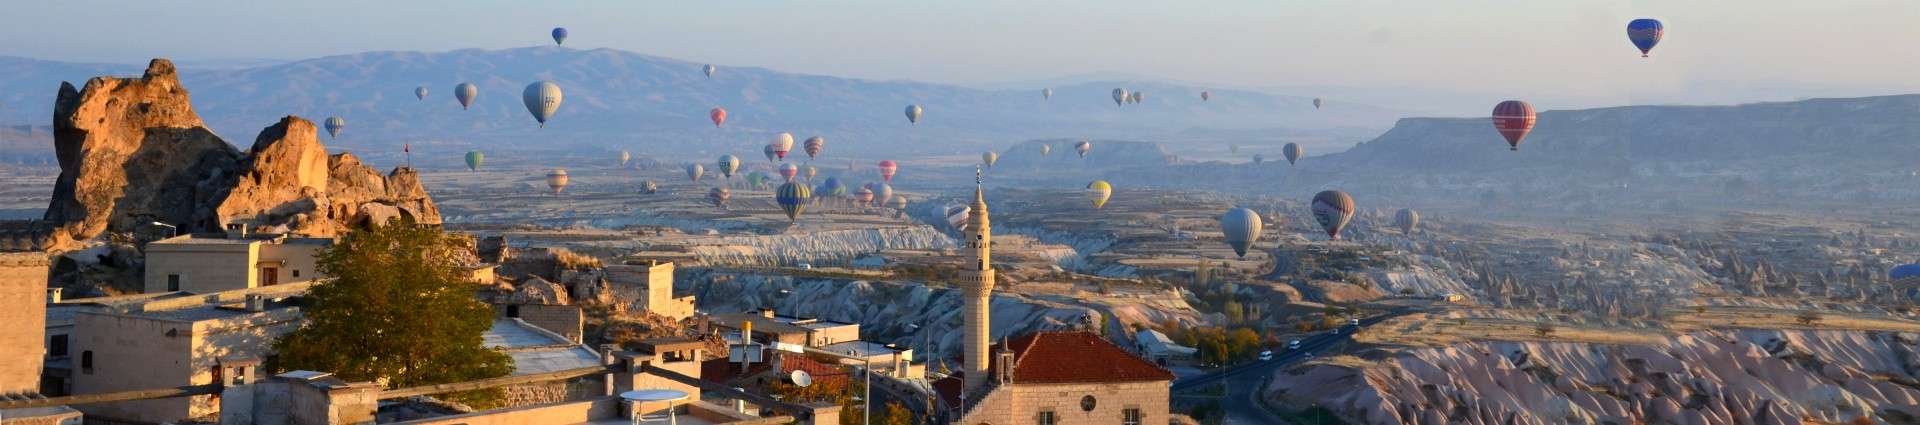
x=133 y=151
x=619 y=99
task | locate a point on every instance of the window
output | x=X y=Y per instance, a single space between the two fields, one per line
x=1087 y=403
x=1046 y=418
x=1130 y=416
x=86 y=362
x=173 y=282
x=296 y=272
x=57 y=346
x=513 y=311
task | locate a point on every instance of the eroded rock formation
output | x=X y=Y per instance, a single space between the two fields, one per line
x=133 y=151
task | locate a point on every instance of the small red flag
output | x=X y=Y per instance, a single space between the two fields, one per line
x=406 y=147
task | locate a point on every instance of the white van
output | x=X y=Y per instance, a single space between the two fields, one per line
x=1293 y=345
x=1266 y=355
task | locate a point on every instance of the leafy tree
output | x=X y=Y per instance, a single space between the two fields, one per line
x=894 y=414
x=399 y=307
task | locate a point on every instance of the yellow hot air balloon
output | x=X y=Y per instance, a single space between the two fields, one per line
x=1098 y=192
x=557 y=180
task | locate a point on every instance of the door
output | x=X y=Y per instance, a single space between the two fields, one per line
x=269 y=276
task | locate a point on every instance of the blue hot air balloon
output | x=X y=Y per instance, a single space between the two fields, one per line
x=1904 y=271
x=1645 y=33
x=559 y=35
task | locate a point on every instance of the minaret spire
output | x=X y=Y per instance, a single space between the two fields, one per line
x=976 y=284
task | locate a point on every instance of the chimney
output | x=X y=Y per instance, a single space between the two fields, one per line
x=53 y=295
x=236 y=231
x=766 y=312
x=256 y=303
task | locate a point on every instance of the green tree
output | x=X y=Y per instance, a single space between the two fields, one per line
x=399 y=307
x=894 y=414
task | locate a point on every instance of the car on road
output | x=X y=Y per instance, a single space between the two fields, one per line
x=1266 y=355
x=1293 y=345
x=1353 y=322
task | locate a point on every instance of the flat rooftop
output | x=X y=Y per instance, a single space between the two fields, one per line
x=535 y=350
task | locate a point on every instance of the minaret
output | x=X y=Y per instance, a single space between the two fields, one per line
x=976 y=284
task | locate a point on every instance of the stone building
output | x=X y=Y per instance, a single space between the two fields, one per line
x=649 y=288
x=171 y=343
x=1045 y=378
x=786 y=333
x=23 y=292
x=207 y=263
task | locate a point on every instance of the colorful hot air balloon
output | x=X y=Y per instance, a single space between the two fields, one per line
x=887 y=168
x=334 y=124
x=1206 y=96
x=1293 y=152
x=542 y=100
x=813 y=145
x=719 y=195
x=557 y=180
x=649 y=187
x=474 y=160
x=913 y=114
x=465 y=93
x=832 y=187
x=793 y=198
x=624 y=157
x=1046 y=94
x=728 y=164
x=957 y=216
x=718 y=115
x=1083 y=147
x=881 y=193
x=1242 y=228
x=782 y=143
x=1333 y=209
x=989 y=158
x=694 y=171
x=1120 y=97
x=1099 y=191
x=809 y=172
x=754 y=179
x=1513 y=119
x=789 y=170
x=420 y=93
x=559 y=35
x=1317 y=102
x=708 y=70
x=1645 y=33
x=864 y=196
x=1406 y=219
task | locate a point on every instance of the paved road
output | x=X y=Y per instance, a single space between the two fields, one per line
x=1243 y=382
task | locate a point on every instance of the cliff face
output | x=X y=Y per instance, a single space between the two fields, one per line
x=133 y=151
x=1712 y=377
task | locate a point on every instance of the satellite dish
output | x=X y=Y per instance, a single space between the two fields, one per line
x=801 y=378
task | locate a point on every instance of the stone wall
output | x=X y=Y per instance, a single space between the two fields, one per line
x=1022 y=403
x=23 y=308
x=566 y=320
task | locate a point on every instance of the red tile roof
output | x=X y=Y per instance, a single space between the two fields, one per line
x=1073 y=357
x=722 y=371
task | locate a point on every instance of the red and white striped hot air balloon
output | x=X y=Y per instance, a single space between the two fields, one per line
x=1513 y=119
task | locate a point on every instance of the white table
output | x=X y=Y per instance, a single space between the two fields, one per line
x=635 y=397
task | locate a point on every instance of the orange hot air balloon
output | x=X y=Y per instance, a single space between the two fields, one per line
x=719 y=116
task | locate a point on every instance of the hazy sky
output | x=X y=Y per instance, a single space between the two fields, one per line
x=1557 y=53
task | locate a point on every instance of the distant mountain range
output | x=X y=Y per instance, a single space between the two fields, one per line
x=618 y=99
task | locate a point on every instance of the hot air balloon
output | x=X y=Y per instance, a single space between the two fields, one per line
x=1206 y=96
x=474 y=160
x=719 y=196
x=813 y=146
x=728 y=165
x=465 y=93
x=1645 y=33
x=989 y=158
x=832 y=187
x=1513 y=119
x=887 y=168
x=420 y=93
x=809 y=171
x=1293 y=152
x=864 y=196
x=754 y=179
x=789 y=170
x=718 y=115
x=1903 y=272
x=1258 y=159
x=957 y=216
x=793 y=198
x=1046 y=93
x=898 y=202
x=694 y=171
x=542 y=100
x=557 y=180
x=782 y=143
x=1406 y=219
x=1333 y=209
x=913 y=114
x=559 y=35
x=1317 y=102
x=1083 y=147
x=1120 y=97
x=624 y=157
x=1139 y=96
x=1098 y=192
x=768 y=150
x=334 y=124
x=881 y=193
x=649 y=187
x=1045 y=148
x=708 y=70
x=1242 y=228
